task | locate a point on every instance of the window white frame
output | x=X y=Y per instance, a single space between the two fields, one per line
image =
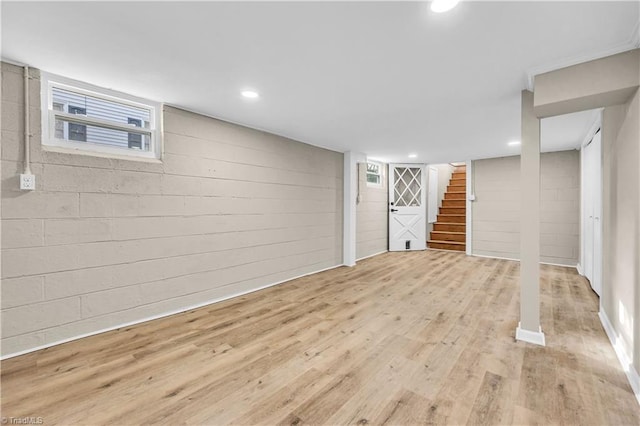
x=380 y=174
x=49 y=115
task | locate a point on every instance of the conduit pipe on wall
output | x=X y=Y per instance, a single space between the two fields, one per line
x=27 y=133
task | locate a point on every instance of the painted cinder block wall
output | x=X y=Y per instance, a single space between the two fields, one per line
x=105 y=241
x=496 y=211
x=372 y=214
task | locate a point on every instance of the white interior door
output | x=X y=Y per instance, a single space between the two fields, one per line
x=407 y=211
x=587 y=208
x=432 y=200
x=592 y=212
x=596 y=280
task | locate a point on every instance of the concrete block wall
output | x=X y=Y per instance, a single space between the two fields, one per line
x=496 y=211
x=105 y=241
x=372 y=215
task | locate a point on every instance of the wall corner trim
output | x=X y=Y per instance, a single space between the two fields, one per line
x=535 y=337
x=350 y=193
x=625 y=362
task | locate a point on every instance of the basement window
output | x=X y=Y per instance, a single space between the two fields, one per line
x=374 y=174
x=98 y=121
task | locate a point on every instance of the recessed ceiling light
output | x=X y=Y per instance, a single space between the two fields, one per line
x=413 y=155
x=514 y=143
x=250 y=94
x=439 y=6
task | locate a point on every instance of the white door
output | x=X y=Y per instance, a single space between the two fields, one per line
x=587 y=208
x=592 y=208
x=432 y=200
x=596 y=281
x=407 y=224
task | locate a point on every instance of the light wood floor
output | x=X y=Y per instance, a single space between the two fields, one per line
x=403 y=338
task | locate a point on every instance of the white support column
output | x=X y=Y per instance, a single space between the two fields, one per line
x=529 y=329
x=351 y=160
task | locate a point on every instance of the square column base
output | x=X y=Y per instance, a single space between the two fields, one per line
x=535 y=337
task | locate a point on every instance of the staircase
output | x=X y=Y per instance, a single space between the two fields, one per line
x=449 y=232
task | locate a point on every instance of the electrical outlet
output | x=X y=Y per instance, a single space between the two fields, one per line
x=27 y=182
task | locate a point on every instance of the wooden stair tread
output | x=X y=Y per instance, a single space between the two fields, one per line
x=454 y=243
x=449 y=231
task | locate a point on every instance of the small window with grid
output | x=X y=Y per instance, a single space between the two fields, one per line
x=374 y=174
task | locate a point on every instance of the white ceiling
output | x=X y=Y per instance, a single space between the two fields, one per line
x=384 y=78
x=568 y=131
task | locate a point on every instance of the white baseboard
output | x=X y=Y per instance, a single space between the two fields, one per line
x=371 y=255
x=162 y=315
x=518 y=260
x=535 y=337
x=627 y=365
x=580 y=270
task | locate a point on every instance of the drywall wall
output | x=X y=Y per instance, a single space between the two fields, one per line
x=620 y=298
x=372 y=214
x=496 y=211
x=602 y=82
x=104 y=241
x=444 y=176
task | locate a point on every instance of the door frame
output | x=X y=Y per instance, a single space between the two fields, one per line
x=581 y=267
x=430 y=207
x=423 y=199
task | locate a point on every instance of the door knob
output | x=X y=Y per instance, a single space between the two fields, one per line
x=394 y=210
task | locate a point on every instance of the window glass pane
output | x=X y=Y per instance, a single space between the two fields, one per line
x=93 y=107
x=407 y=187
x=135 y=140
x=373 y=178
x=103 y=109
x=400 y=187
x=104 y=136
x=415 y=187
x=77 y=132
x=59 y=124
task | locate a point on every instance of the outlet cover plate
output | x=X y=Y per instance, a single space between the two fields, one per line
x=27 y=182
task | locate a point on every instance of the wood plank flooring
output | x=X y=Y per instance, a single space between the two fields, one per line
x=402 y=338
